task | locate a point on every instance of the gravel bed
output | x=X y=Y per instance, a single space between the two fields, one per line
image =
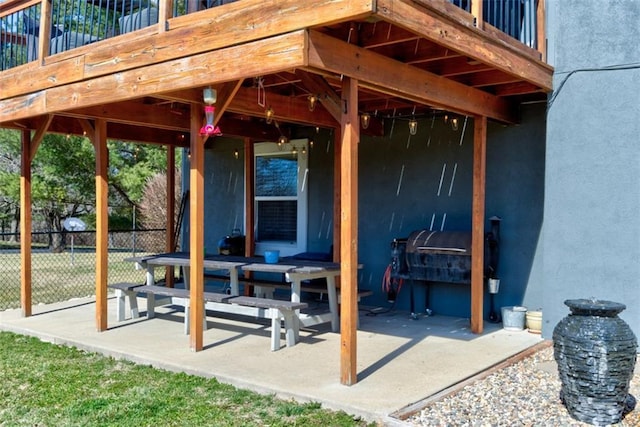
x=523 y=394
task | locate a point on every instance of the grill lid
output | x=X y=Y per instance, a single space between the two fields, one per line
x=443 y=242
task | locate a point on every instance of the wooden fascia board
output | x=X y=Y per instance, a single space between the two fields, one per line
x=423 y=17
x=395 y=78
x=276 y=54
x=204 y=31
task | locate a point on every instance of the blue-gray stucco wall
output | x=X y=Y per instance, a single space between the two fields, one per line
x=409 y=183
x=591 y=231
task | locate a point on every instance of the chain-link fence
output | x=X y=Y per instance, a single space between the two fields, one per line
x=62 y=274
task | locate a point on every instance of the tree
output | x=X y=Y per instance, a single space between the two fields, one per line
x=153 y=206
x=10 y=180
x=63 y=178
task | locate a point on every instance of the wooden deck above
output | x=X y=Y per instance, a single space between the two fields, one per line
x=410 y=58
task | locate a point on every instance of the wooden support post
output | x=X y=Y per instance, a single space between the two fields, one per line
x=541 y=32
x=349 y=231
x=249 y=208
x=44 y=34
x=477 y=223
x=171 y=210
x=165 y=9
x=25 y=224
x=337 y=188
x=196 y=229
x=102 y=222
x=476 y=11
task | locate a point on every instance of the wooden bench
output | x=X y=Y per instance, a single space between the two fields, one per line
x=125 y=290
x=275 y=310
x=182 y=295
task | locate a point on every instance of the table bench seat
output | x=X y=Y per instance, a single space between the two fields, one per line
x=276 y=310
x=123 y=291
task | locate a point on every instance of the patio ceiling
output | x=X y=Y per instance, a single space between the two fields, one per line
x=409 y=57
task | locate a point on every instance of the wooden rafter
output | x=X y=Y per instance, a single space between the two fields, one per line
x=424 y=17
x=379 y=73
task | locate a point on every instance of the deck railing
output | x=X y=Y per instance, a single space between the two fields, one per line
x=74 y=23
x=517 y=18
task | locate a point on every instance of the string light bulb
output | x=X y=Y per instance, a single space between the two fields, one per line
x=268 y=114
x=454 y=123
x=281 y=141
x=312 y=99
x=236 y=153
x=413 y=126
x=365 y=119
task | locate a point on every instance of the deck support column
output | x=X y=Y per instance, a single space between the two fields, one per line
x=249 y=207
x=102 y=222
x=477 y=222
x=25 y=224
x=171 y=210
x=349 y=231
x=196 y=229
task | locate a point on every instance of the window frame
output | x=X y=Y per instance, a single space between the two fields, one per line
x=272 y=149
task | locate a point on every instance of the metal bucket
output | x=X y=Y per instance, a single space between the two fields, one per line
x=513 y=318
x=494 y=286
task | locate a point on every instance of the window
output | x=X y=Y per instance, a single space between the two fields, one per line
x=281 y=197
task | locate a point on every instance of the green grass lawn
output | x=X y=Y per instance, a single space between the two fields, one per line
x=42 y=384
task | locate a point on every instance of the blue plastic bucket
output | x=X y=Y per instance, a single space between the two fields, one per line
x=271 y=257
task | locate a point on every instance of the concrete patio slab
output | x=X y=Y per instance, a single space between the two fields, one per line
x=400 y=361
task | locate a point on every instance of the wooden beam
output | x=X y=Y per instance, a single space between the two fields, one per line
x=268 y=56
x=206 y=31
x=25 y=224
x=41 y=131
x=349 y=232
x=287 y=109
x=135 y=113
x=196 y=230
x=380 y=73
x=99 y=139
x=477 y=223
x=231 y=126
x=425 y=17
x=326 y=95
x=226 y=92
x=171 y=210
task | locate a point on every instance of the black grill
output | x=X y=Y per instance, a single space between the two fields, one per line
x=442 y=256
